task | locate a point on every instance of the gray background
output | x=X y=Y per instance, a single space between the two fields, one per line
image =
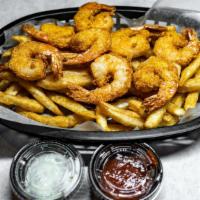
x=180 y=158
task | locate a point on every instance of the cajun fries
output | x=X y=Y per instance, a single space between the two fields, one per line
x=22 y=102
x=72 y=105
x=124 y=117
x=60 y=121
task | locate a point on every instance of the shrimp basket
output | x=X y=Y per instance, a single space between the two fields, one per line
x=14 y=121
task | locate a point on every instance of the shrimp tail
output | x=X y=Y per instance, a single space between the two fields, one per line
x=153 y=103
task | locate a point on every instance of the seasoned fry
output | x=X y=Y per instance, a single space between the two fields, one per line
x=7 y=76
x=59 y=121
x=175 y=110
x=137 y=106
x=41 y=97
x=189 y=71
x=124 y=117
x=7 y=53
x=178 y=100
x=191 y=100
x=192 y=85
x=178 y=67
x=122 y=103
x=72 y=105
x=154 y=119
x=101 y=119
x=22 y=102
x=169 y=120
x=4 y=84
x=21 y=38
x=13 y=89
x=77 y=76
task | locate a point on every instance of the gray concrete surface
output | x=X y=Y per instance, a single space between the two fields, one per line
x=181 y=158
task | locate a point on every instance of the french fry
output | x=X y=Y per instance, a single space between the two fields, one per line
x=22 y=102
x=192 y=85
x=6 y=75
x=169 y=120
x=59 y=121
x=137 y=106
x=178 y=100
x=4 y=84
x=154 y=119
x=7 y=53
x=101 y=120
x=41 y=97
x=189 y=71
x=13 y=89
x=191 y=100
x=175 y=110
x=178 y=67
x=122 y=103
x=21 y=38
x=79 y=77
x=72 y=105
x=124 y=117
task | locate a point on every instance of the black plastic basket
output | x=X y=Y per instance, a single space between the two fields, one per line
x=151 y=134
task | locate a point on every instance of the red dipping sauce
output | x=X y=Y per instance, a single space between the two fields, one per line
x=127 y=176
x=125 y=172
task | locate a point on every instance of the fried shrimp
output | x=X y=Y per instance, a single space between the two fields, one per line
x=94 y=15
x=87 y=45
x=130 y=43
x=58 y=36
x=178 y=48
x=27 y=60
x=102 y=68
x=156 y=75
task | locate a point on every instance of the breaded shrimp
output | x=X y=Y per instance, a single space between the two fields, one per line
x=130 y=43
x=27 y=60
x=102 y=68
x=156 y=75
x=58 y=36
x=178 y=48
x=94 y=15
x=89 y=44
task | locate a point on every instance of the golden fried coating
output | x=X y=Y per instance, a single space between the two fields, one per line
x=94 y=15
x=27 y=60
x=89 y=44
x=102 y=68
x=58 y=36
x=175 y=47
x=156 y=75
x=130 y=43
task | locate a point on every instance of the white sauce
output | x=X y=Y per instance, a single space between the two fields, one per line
x=50 y=175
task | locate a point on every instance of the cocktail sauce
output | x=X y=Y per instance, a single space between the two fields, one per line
x=124 y=172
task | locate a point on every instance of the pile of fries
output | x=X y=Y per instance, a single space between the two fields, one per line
x=28 y=99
